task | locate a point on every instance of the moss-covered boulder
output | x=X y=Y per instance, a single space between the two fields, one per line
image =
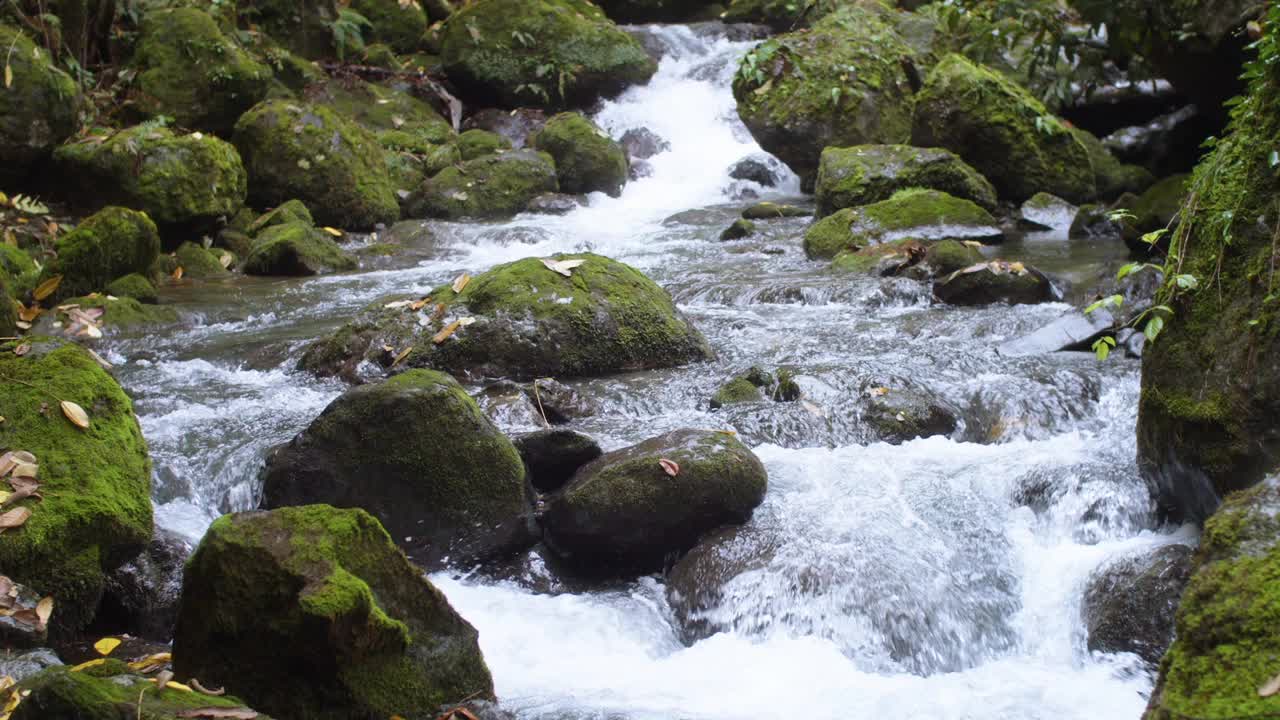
x=400 y=25
x=382 y=109
x=8 y=312
x=525 y=320
x=286 y=212
x=296 y=249
x=1112 y=177
x=843 y=82
x=416 y=452
x=109 y=244
x=96 y=482
x=865 y=174
x=120 y=312
x=625 y=511
x=917 y=214
x=545 y=53
x=202 y=263
x=308 y=152
x=1226 y=638
x=188 y=70
x=185 y=183
x=38 y=110
x=767 y=210
x=1002 y=130
x=475 y=143
x=113 y=690
x=552 y=456
x=993 y=282
x=493 y=186
x=739 y=229
x=587 y=159
x=314 y=612
x=304 y=27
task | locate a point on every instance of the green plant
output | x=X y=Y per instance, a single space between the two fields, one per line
x=752 y=67
x=348 y=31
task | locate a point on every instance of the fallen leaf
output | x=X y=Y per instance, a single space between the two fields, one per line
x=29 y=314
x=461 y=282
x=151 y=662
x=332 y=231
x=7 y=463
x=196 y=684
x=47 y=288
x=398 y=304
x=8 y=76
x=240 y=713
x=1270 y=688
x=75 y=414
x=225 y=260
x=106 y=645
x=22 y=349
x=22 y=489
x=15 y=518
x=177 y=273
x=403 y=354
x=99 y=359
x=23 y=325
x=564 y=267
x=670 y=467
x=878 y=392
x=23 y=456
x=174 y=685
x=88 y=664
x=419 y=304
x=44 y=609
x=448 y=330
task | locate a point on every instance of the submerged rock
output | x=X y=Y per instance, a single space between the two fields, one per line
x=866 y=174
x=739 y=229
x=110 y=244
x=314 y=612
x=753 y=170
x=900 y=411
x=643 y=143
x=38 y=110
x=587 y=160
x=922 y=215
x=1046 y=212
x=1130 y=605
x=625 y=511
x=494 y=186
x=996 y=281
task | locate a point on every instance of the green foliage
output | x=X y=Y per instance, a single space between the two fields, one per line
x=348 y=32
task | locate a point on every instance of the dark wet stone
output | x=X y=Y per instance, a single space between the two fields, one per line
x=1130 y=605
x=755 y=171
x=553 y=456
x=1073 y=331
x=643 y=143
x=141 y=596
x=554 y=204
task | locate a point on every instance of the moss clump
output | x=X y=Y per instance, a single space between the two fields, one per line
x=919 y=214
x=39 y=110
x=310 y=153
x=399 y=25
x=8 y=312
x=193 y=73
x=313 y=612
x=587 y=160
x=112 y=243
x=296 y=249
x=831 y=236
x=1156 y=209
x=773 y=211
x=737 y=390
x=21 y=269
x=198 y=262
x=287 y=212
x=843 y=82
x=865 y=174
x=890 y=257
x=125 y=312
x=999 y=128
x=739 y=229
x=781 y=15
x=488 y=187
x=548 y=53
x=950 y=256
x=381 y=109
x=185 y=183
x=478 y=143
x=96 y=511
x=133 y=285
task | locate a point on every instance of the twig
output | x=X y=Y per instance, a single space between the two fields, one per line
x=537 y=396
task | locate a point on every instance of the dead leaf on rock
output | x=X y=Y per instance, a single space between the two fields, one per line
x=564 y=267
x=22 y=349
x=88 y=664
x=29 y=314
x=670 y=467
x=458 y=713
x=196 y=684
x=396 y=305
x=47 y=288
x=1270 y=688
x=151 y=662
x=332 y=231
x=75 y=414
x=15 y=518
x=461 y=282
x=99 y=359
x=400 y=357
x=7 y=463
x=240 y=713
x=447 y=332
x=225 y=260
x=177 y=273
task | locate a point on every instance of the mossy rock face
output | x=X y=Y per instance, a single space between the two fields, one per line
x=494 y=186
x=399 y=25
x=664 y=11
x=185 y=183
x=287 y=212
x=1002 y=130
x=739 y=229
x=296 y=249
x=302 y=26
x=417 y=453
x=310 y=153
x=737 y=390
x=190 y=71
x=774 y=211
x=781 y=15
x=917 y=214
x=96 y=482
x=587 y=160
x=948 y=256
x=124 y=312
x=498 y=51
x=201 y=263
x=993 y=282
x=1112 y=177
x=314 y=612
x=477 y=143
x=382 y=109
x=1210 y=393
x=529 y=322
x=39 y=110
x=798 y=94
x=108 y=691
x=133 y=285
x=21 y=269
x=625 y=512
x=1226 y=640
x=112 y=243
x=865 y=174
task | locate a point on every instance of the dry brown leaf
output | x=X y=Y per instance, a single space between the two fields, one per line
x=7 y=463
x=670 y=467
x=22 y=489
x=15 y=518
x=1270 y=688
x=46 y=288
x=75 y=414
x=564 y=267
x=403 y=354
x=419 y=304
x=240 y=713
x=22 y=349
x=177 y=273
x=196 y=684
x=44 y=610
x=29 y=314
x=225 y=260
x=460 y=282
x=447 y=332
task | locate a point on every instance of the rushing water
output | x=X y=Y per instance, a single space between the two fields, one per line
x=941 y=578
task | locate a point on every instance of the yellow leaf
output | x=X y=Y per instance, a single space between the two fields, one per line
x=75 y=414
x=461 y=282
x=47 y=288
x=448 y=330
x=403 y=354
x=106 y=645
x=151 y=661
x=333 y=231
x=8 y=75
x=86 y=665
x=177 y=274
x=44 y=610
x=178 y=686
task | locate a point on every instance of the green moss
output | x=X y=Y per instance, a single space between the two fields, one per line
x=737 y=390
x=773 y=211
x=302 y=26
x=781 y=15
x=949 y=256
x=190 y=71
x=865 y=174
x=125 y=312
x=39 y=110
x=381 y=109
x=296 y=248
x=478 y=143
x=310 y=153
x=112 y=243
x=587 y=160
x=912 y=213
x=831 y=236
x=8 y=311
x=287 y=212
x=549 y=53
x=133 y=285
x=16 y=262
x=198 y=262
x=96 y=483
x=1112 y=177
x=1002 y=130
x=869 y=259
x=487 y=187
x=398 y=25
x=739 y=229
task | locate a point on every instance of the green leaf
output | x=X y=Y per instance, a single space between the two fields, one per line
x=1186 y=282
x=1102 y=348
x=1127 y=270
x=1152 y=238
x=1115 y=300
x=1154 y=326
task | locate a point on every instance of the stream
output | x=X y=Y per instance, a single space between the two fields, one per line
x=940 y=578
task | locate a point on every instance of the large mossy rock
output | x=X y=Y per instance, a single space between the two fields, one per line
x=493 y=186
x=1210 y=388
x=1002 y=130
x=109 y=244
x=1227 y=635
x=314 y=612
x=401 y=25
x=865 y=174
x=527 y=321
x=96 y=482
x=38 y=110
x=309 y=152
x=416 y=452
x=546 y=53
x=8 y=313
x=926 y=215
x=625 y=512
x=843 y=82
x=1112 y=177
x=185 y=183
x=296 y=249
x=384 y=110
x=188 y=70
x=587 y=160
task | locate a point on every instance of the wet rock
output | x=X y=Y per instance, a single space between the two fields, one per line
x=696 y=583
x=1168 y=144
x=38 y=111
x=201 y=263
x=738 y=230
x=96 y=483
x=20 y=625
x=1156 y=209
x=996 y=281
x=757 y=384
x=22 y=665
x=296 y=249
x=445 y=495
x=134 y=286
x=736 y=391
x=587 y=160
x=625 y=512
x=1112 y=177
x=923 y=215
x=1074 y=331
x=899 y=411
x=774 y=211
x=866 y=174
x=141 y=596
x=1046 y=212
x=558 y=402
x=639 y=169
x=1129 y=606
x=1003 y=131
x=112 y=243
x=1094 y=221
x=553 y=456
x=554 y=204
x=484 y=56
x=643 y=143
x=505 y=403
x=514 y=125
x=495 y=186
x=313 y=611
x=753 y=170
